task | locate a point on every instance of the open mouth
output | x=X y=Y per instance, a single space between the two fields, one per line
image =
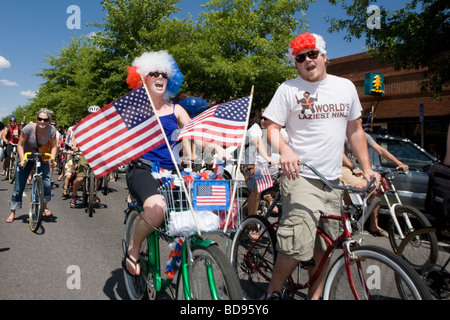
x=159 y=85
x=311 y=68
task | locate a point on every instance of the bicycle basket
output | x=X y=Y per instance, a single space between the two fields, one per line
x=210 y=201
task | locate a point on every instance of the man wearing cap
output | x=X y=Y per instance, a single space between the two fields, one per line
x=316 y=136
x=10 y=135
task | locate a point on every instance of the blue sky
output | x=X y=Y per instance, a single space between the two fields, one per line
x=30 y=30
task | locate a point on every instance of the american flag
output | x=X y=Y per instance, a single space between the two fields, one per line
x=119 y=133
x=263 y=179
x=223 y=124
x=211 y=195
x=368 y=124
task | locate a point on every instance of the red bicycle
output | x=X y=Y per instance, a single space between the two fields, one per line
x=361 y=272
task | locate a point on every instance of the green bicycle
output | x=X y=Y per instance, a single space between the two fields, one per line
x=204 y=271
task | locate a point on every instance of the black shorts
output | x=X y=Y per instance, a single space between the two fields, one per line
x=141 y=183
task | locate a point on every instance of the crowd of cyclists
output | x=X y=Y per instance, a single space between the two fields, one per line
x=69 y=165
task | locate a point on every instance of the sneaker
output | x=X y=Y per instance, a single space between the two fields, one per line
x=273 y=296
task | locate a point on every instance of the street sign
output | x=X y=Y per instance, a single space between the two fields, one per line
x=374 y=84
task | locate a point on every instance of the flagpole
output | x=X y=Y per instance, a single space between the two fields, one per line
x=173 y=157
x=239 y=160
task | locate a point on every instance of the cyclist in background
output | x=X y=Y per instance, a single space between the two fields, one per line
x=33 y=136
x=353 y=176
x=316 y=136
x=69 y=167
x=10 y=135
x=81 y=175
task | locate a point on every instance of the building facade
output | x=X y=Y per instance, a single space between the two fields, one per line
x=403 y=110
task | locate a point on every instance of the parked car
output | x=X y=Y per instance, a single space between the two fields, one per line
x=412 y=186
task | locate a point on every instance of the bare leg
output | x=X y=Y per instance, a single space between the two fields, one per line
x=151 y=218
x=315 y=291
x=283 y=269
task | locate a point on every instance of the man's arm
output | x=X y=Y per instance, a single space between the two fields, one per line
x=385 y=154
x=288 y=159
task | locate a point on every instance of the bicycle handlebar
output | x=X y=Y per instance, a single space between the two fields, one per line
x=393 y=171
x=37 y=154
x=333 y=186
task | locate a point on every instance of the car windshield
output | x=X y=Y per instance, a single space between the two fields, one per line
x=406 y=153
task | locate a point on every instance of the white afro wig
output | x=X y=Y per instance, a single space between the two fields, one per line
x=160 y=61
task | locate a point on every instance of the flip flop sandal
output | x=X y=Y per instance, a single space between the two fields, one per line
x=73 y=202
x=47 y=213
x=124 y=263
x=379 y=233
x=9 y=220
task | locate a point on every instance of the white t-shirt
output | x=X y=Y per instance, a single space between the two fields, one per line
x=315 y=115
x=252 y=155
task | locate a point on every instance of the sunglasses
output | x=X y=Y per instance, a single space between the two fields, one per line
x=313 y=54
x=156 y=74
x=42 y=119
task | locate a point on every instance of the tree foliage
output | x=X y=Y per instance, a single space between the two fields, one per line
x=416 y=36
x=232 y=46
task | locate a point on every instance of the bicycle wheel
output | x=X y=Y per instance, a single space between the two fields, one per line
x=12 y=167
x=418 y=249
x=253 y=259
x=210 y=273
x=91 y=192
x=36 y=203
x=417 y=220
x=136 y=286
x=376 y=274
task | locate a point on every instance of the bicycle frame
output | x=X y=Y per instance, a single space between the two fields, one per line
x=386 y=187
x=152 y=263
x=346 y=239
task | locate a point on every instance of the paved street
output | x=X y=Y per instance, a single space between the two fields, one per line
x=73 y=256
x=69 y=243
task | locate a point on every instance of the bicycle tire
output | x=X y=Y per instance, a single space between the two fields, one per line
x=388 y=277
x=135 y=285
x=91 y=193
x=36 y=204
x=12 y=167
x=418 y=249
x=418 y=221
x=225 y=280
x=251 y=259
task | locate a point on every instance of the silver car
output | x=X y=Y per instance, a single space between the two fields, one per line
x=412 y=186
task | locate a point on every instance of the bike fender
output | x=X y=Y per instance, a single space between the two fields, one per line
x=203 y=242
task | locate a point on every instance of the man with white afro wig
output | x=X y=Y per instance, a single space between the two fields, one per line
x=160 y=61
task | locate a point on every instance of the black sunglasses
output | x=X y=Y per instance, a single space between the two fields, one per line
x=42 y=119
x=313 y=54
x=156 y=74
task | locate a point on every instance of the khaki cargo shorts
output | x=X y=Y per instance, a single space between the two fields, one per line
x=303 y=199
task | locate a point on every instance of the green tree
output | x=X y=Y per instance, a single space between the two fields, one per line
x=237 y=44
x=416 y=36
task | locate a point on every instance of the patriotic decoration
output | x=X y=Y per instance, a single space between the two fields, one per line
x=211 y=195
x=368 y=124
x=174 y=262
x=119 y=133
x=263 y=179
x=223 y=124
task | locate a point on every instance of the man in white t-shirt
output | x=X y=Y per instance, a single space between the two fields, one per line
x=318 y=110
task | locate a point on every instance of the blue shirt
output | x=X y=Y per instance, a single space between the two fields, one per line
x=161 y=153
